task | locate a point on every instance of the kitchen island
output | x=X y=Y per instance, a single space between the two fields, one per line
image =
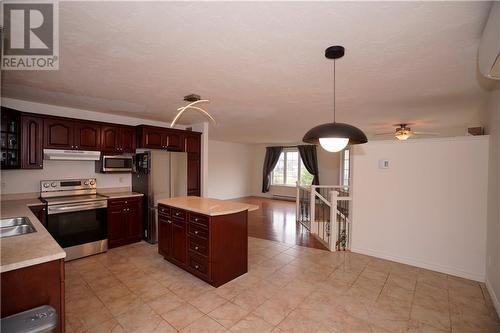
x=206 y=237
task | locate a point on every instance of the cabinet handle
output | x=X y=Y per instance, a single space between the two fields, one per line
x=196 y=219
x=126 y=201
x=196 y=248
x=169 y=222
x=196 y=266
x=196 y=232
x=162 y=210
x=177 y=214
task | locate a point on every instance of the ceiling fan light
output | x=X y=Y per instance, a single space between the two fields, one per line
x=333 y=145
x=403 y=135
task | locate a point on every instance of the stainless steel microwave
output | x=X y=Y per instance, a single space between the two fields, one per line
x=115 y=163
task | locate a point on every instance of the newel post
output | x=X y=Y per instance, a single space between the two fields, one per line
x=334 y=226
x=312 y=209
x=297 y=203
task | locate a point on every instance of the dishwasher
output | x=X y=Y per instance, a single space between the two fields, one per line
x=42 y=319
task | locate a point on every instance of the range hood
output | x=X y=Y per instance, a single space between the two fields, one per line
x=71 y=155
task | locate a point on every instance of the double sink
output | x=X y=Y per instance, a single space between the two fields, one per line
x=15 y=226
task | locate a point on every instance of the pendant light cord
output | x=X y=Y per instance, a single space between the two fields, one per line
x=334 y=111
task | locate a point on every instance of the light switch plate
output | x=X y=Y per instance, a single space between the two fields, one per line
x=383 y=164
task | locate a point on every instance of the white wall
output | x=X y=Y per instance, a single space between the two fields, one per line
x=229 y=169
x=493 y=225
x=428 y=209
x=28 y=181
x=328 y=163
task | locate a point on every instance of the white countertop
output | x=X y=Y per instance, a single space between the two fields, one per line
x=208 y=206
x=29 y=249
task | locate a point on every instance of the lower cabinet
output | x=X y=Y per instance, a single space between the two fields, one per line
x=214 y=248
x=124 y=221
x=29 y=287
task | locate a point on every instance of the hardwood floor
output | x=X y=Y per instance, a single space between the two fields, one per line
x=275 y=220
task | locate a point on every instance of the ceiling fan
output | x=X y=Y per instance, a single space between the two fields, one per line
x=403 y=132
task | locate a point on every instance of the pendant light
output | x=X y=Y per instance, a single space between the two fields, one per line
x=334 y=137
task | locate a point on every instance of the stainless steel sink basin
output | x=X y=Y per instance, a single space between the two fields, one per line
x=15 y=226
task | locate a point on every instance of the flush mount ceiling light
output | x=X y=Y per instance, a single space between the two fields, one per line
x=195 y=100
x=335 y=136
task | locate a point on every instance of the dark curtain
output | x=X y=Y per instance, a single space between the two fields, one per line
x=308 y=156
x=272 y=157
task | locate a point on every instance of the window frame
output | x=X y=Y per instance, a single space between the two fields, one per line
x=285 y=173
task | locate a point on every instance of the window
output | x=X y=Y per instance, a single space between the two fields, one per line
x=290 y=169
x=346 y=164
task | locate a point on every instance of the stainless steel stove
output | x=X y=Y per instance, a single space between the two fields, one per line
x=76 y=216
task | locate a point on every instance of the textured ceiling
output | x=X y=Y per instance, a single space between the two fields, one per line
x=262 y=64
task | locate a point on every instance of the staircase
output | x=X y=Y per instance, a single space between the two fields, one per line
x=325 y=212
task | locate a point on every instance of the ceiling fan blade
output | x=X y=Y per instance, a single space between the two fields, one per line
x=425 y=133
x=391 y=133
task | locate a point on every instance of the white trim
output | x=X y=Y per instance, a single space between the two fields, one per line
x=493 y=296
x=422 y=264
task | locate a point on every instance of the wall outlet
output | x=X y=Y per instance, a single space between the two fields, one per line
x=383 y=164
x=120 y=179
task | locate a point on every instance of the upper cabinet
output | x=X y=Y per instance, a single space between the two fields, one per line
x=160 y=138
x=87 y=136
x=69 y=134
x=10 y=138
x=118 y=139
x=31 y=142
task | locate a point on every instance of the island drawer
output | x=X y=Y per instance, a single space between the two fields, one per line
x=198 y=231
x=164 y=210
x=197 y=218
x=123 y=201
x=178 y=214
x=198 y=265
x=198 y=245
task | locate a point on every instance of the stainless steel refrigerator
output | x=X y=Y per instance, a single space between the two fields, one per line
x=160 y=174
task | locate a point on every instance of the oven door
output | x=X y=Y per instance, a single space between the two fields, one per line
x=77 y=224
x=117 y=164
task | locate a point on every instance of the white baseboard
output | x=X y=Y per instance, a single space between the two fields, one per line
x=434 y=267
x=493 y=296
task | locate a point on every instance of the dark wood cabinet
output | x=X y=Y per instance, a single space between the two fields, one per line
x=87 y=136
x=192 y=142
x=161 y=138
x=175 y=141
x=10 y=148
x=58 y=133
x=40 y=211
x=118 y=139
x=31 y=142
x=29 y=287
x=214 y=248
x=124 y=221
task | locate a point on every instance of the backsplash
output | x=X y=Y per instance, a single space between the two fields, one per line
x=28 y=181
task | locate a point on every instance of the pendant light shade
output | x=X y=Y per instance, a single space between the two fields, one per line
x=335 y=136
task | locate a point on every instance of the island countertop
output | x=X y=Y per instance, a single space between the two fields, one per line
x=207 y=206
x=29 y=249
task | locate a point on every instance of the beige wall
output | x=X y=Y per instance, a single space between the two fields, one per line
x=493 y=225
x=229 y=170
x=428 y=209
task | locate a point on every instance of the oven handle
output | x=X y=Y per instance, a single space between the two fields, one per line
x=77 y=207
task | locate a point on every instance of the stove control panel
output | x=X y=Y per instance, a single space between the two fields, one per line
x=85 y=184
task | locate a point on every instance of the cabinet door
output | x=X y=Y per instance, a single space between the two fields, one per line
x=193 y=176
x=31 y=142
x=193 y=144
x=110 y=138
x=117 y=226
x=134 y=221
x=58 y=134
x=175 y=141
x=127 y=139
x=179 y=242
x=164 y=236
x=87 y=136
x=153 y=138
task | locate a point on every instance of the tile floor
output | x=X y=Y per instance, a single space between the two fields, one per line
x=288 y=289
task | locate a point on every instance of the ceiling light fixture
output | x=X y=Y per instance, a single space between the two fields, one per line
x=335 y=136
x=194 y=99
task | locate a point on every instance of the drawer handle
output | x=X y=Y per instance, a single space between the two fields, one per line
x=196 y=219
x=177 y=214
x=196 y=232
x=163 y=210
x=197 y=266
x=196 y=248
x=168 y=221
x=126 y=201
